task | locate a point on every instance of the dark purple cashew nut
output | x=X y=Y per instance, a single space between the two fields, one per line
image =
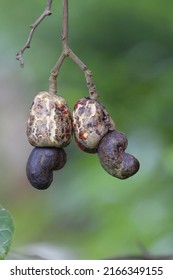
x=112 y=156
x=41 y=164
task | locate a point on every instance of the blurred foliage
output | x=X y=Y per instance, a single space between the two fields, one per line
x=6 y=232
x=128 y=45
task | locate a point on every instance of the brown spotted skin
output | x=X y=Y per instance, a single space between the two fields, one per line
x=90 y=123
x=50 y=122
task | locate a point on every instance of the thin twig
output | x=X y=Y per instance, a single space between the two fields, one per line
x=67 y=52
x=65 y=27
x=88 y=75
x=54 y=74
x=46 y=12
x=56 y=69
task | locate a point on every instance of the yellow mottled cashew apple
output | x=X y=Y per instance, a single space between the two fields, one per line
x=91 y=122
x=50 y=122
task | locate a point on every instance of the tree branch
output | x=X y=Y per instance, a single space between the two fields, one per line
x=65 y=27
x=67 y=52
x=88 y=75
x=54 y=74
x=46 y=12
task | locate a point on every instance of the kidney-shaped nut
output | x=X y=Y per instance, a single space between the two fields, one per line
x=50 y=122
x=41 y=164
x=113 y=158
x=91 y=122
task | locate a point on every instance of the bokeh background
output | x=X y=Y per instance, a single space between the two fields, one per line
x=86 y=213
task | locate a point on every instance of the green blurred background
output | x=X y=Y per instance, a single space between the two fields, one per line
x=86 y=213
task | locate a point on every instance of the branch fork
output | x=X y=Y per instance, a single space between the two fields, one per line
x=66 y=52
